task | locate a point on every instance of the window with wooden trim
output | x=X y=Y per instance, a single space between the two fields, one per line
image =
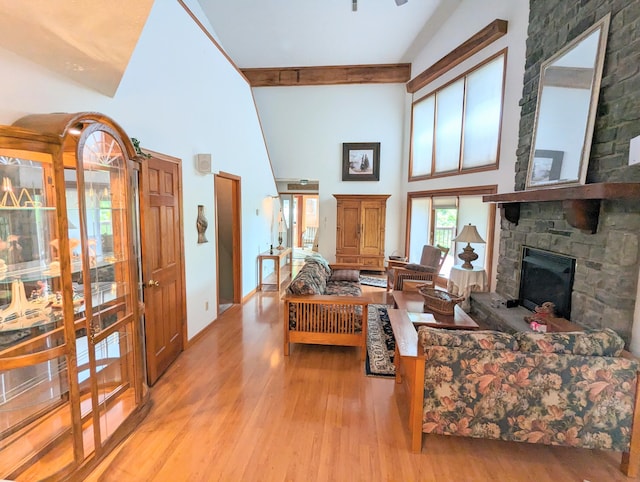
x=456 y=128
x=436 y=218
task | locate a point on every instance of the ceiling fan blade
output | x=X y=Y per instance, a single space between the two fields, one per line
x=401 y=2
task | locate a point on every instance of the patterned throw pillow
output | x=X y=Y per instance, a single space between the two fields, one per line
x=345 y=275
x=605 y=342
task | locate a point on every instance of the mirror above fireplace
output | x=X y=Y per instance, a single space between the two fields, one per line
x=566 y=110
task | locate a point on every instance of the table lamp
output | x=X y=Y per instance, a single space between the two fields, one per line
x=468 y=235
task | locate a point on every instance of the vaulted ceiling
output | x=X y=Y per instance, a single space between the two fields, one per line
x=294 y=33
x=91 y=41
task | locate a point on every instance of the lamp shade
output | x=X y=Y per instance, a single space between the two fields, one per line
x=469 y=234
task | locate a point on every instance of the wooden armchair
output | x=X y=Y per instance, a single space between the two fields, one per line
x=431 y=262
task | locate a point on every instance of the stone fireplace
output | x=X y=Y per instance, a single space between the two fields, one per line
x=606 y=252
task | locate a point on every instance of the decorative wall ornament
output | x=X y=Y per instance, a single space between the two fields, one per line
x=201 y=225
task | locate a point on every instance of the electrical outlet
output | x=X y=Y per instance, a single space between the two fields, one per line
x=634 y=151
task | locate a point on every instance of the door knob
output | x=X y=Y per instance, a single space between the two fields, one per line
x=153 y=283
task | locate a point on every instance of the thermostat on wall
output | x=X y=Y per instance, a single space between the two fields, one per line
x=634 y=151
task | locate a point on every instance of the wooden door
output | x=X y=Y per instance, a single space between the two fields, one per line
x=348 y=228
x=162 y=262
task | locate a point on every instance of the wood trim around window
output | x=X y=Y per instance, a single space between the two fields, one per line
x=460 y=192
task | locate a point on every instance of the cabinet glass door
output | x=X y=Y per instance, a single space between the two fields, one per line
x=30 y=320
x=105 y=283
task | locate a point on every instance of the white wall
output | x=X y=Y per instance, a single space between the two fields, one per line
x=179 y=96
x=469 y=18
x=305 y=128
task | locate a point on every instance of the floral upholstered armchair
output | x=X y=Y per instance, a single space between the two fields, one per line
x=574 y=389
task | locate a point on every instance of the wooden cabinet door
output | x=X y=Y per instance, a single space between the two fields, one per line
x=348 y=228
x=372 y=228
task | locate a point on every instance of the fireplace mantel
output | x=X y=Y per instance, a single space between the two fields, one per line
x=581 y=204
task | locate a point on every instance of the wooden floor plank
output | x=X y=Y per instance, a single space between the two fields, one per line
x=233 y=408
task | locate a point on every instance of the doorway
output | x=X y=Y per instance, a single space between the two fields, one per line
x=228 y=236
x=302 y=214
x=162 y=262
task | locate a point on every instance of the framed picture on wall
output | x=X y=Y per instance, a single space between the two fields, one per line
x=361 y=161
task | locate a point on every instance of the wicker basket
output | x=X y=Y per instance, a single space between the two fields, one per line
x=439 y=301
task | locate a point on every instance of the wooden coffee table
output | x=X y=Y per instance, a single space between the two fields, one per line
x=406 y=302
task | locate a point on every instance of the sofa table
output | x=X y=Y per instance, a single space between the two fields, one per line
x=276 y=255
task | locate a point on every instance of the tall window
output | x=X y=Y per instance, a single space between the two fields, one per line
x=457 y=127
x=436 y=217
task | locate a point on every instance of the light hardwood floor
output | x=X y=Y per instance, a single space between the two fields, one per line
x=233 y=408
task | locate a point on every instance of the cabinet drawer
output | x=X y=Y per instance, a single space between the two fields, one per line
x=372 y=263
x=347 y=259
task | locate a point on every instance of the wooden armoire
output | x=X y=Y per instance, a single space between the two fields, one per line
x=360 y=229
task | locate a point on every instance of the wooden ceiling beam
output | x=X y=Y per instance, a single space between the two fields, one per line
x=462 y=52
x=328 y=75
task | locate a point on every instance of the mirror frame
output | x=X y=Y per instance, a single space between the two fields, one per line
x=555 y=157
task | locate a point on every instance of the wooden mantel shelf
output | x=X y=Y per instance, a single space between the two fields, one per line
x=580 y=203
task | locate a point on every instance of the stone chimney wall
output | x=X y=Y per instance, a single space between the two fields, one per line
x=608 y=261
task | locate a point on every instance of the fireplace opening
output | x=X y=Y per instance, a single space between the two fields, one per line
x=546 y=276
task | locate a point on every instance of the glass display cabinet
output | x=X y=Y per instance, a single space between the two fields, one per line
x=71 y=371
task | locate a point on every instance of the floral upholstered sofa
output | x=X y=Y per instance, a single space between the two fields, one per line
x=324 y=305
x=575 y=389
